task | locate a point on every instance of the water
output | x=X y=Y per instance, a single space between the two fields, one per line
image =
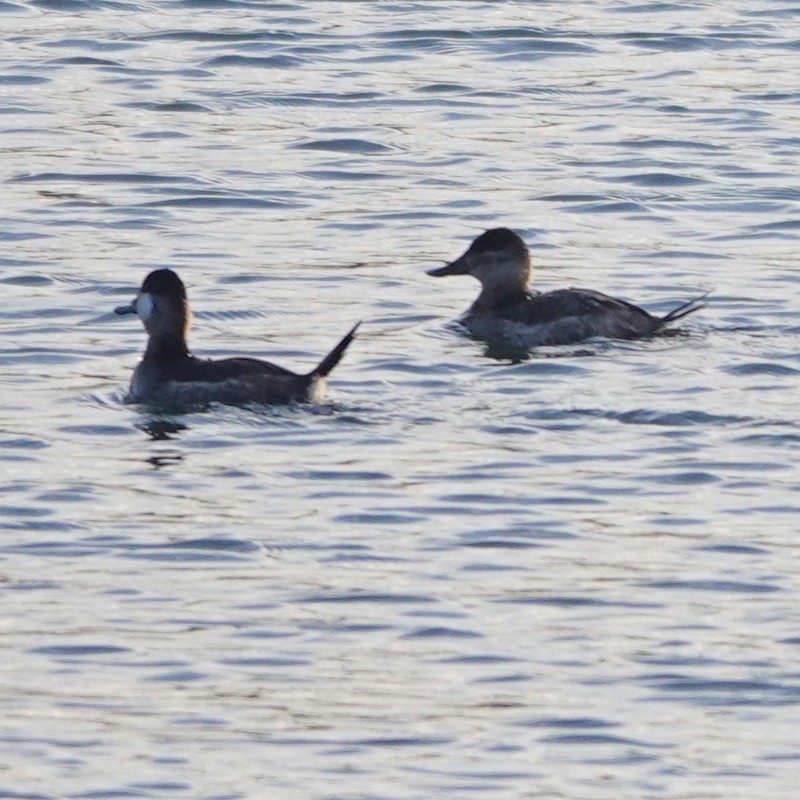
x=572 y=576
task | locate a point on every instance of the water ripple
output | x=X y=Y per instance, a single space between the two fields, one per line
x=470 y=555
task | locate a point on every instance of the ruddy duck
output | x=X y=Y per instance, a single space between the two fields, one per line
x=169 y=374
x=507 y=311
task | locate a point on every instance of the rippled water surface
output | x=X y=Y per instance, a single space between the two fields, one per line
x=572 y=575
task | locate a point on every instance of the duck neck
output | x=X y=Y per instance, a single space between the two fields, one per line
x=166 y=348
x=496 y=296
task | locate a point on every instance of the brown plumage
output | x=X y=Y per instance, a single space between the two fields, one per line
x=169 y=374
x=507 y=311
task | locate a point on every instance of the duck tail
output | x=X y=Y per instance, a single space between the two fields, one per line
x=335 y=356
x=684 y=309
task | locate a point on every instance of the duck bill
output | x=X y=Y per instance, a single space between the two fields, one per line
x=128 y=309
x=458 y=267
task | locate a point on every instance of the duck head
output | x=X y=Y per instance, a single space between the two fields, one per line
x=161 y=305
x=498 y=258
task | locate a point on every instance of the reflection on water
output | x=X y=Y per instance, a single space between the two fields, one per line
x=160 y=430
x=566 y=572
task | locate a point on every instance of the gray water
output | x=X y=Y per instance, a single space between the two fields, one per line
x=573 y=575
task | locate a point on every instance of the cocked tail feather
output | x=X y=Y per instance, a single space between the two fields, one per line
x=335 y=356
x=684 y=310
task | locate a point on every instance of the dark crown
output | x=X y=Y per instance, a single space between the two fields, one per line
x=164 y=282
x=499 y=239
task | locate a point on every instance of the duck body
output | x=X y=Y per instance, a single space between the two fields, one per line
x=191 y=381
x=507 y=311
x=563 y=316
x=169 y=375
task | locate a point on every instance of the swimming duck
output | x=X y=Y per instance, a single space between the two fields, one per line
x=169 y=374
x=507 y=311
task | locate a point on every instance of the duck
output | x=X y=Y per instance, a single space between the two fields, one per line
x=508 y=312
x=169 y=375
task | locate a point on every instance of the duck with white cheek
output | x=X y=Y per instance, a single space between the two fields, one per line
x=169 y=374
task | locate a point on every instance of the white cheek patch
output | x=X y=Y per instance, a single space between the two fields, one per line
x=145 y=306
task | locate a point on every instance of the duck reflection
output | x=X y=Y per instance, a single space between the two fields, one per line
x=161 y=429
